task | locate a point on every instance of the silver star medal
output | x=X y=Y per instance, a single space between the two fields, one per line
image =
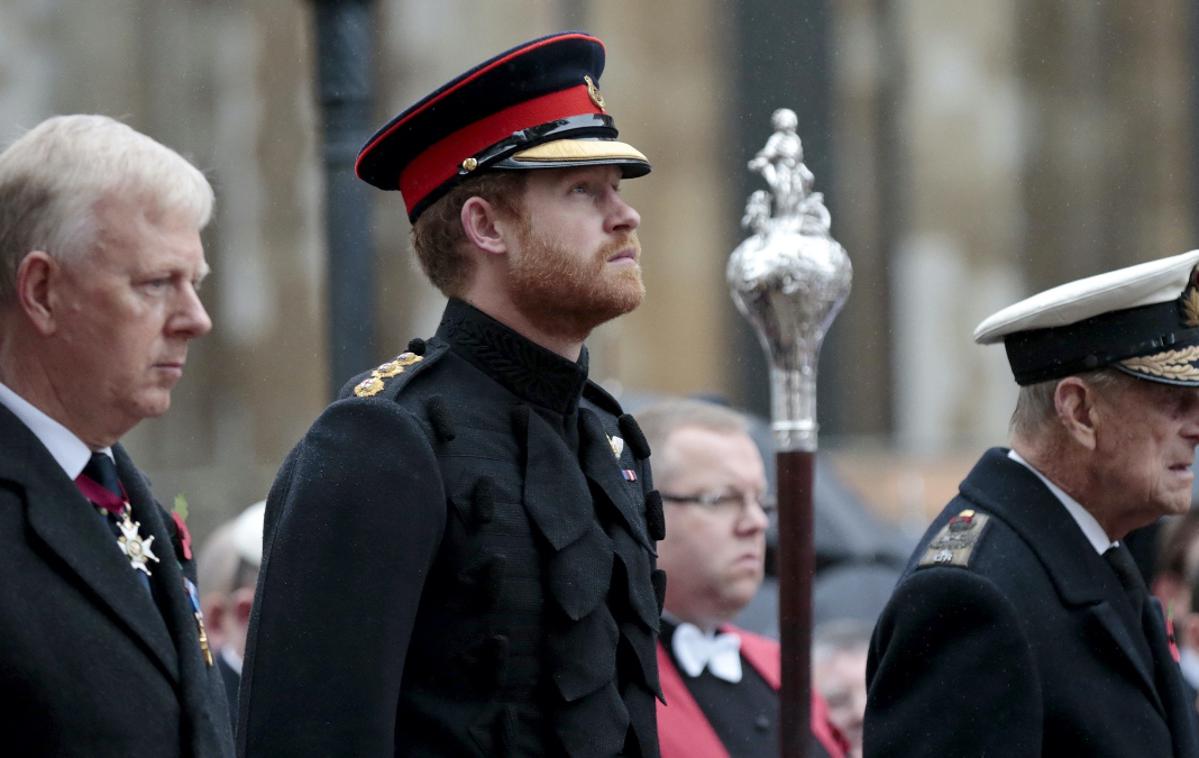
x=134 y=545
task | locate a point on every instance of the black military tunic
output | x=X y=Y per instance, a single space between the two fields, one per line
x=459 y=560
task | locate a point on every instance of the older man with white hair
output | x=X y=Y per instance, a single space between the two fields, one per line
x=1021 y=625
x=104 y=649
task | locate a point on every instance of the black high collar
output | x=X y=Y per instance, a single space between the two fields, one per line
x=523 y=367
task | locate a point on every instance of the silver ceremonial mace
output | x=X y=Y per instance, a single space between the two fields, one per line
x=790 y=278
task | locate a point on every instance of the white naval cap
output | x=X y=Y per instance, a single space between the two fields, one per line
x=247 y=533
x=1142 y=320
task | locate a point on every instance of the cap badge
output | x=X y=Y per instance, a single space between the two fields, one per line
x=1190 y=305
x=593 y=92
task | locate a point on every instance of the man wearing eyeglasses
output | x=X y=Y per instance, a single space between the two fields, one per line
x=720 y=683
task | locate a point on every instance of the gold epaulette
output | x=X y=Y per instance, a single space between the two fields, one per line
x=374 y=384
x=955 y=543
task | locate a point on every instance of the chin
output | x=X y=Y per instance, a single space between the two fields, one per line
x=628 y=299
x=1178 y=506
x=744 y=591
x=154 y=405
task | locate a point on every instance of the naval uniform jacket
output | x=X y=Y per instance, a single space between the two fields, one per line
x=1017 y=639
x=684 y=729
x=90 y=664
x=458 y=562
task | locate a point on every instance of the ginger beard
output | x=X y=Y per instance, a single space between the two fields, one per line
x=567 y=293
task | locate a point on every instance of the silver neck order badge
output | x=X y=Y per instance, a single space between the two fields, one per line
x=789 y=279
x=135 y=547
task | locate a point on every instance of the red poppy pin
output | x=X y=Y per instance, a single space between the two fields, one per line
x=185 y=537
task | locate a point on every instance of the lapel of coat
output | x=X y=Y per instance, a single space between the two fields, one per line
x=196 y=695
x=1082 y=577
x=1180 y=707
x=603 y=469
x=63 y=519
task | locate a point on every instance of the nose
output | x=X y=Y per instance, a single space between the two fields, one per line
x=1190 y=429
x=191 y=320
x=621 y=217
x=752 y=519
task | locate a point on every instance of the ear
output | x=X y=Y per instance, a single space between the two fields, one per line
x=36 y=275
x=483 y=226
x=1074 y=400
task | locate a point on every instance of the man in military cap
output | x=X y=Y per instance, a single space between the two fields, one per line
x=1021 y=625
x=103 y=651
x=460 y=555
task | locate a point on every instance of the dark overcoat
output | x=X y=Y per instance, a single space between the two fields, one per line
x=1016 y=639
x=458 y=562
x=88 y=665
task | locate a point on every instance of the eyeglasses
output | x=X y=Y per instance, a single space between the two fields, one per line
x=725 y=502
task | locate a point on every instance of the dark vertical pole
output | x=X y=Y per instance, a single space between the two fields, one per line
x=344 y=90
x=796 y=564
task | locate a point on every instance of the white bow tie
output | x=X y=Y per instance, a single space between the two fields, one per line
x=719 y=653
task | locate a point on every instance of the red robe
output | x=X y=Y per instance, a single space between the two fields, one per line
x=684 y=731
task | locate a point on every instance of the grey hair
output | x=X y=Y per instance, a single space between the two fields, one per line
x=839 y=635
x=1035 y=406
x=660 y=420
x=54 y=175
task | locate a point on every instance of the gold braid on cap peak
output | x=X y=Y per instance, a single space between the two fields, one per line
x=1172 y=364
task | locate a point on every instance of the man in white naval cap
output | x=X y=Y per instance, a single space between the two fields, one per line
x=1021 y=626
x=227 y=564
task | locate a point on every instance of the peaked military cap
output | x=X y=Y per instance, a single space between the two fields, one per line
x=537 y=105
x=1142 y=320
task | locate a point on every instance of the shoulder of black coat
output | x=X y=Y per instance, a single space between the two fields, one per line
x=956 y=543
x=388 y=379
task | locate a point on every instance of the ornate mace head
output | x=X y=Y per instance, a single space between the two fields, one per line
x=790 y=278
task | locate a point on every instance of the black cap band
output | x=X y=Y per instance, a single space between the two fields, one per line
x=1038 y=355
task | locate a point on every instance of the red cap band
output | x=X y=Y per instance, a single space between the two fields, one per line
x=441 y=160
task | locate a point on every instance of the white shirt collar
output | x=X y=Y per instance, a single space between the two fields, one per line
x=1188 y=661
x=232 y=659
x=1086 y=522
x=70 y=451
